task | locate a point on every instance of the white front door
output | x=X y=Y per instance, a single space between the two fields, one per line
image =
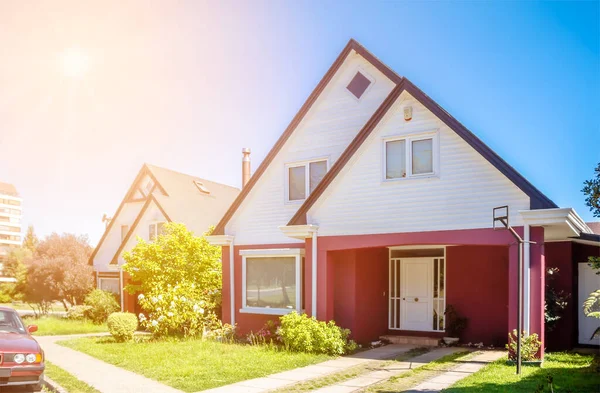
x=589 y=282
x=416 y=292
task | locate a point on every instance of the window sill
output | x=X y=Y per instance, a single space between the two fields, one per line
x=408 y=178
x=266 y=311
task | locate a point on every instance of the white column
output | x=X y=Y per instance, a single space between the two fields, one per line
x=526 y=278
x=232 y=281
x=122 y=288
x=314 y=275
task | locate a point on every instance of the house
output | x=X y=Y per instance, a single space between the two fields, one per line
x=374 y=209
x=156 y=196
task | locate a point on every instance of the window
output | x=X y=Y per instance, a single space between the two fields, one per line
x=299 y=185
x=358 y=85
x=272 y=281
x=110 y=285
x=124 y=230
x=155 y=230
x=411 y=156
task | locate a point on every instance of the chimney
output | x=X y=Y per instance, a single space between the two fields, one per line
x=245 y=166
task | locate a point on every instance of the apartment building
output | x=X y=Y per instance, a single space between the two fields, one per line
x=10 y=219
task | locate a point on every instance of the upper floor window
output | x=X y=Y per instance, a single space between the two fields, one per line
x=155 y=230
x=303 y=178
x=410 y=156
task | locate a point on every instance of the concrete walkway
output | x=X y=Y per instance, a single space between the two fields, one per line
x=362 y=381
x=449 y=378
x=102 y=376
x=280 y=380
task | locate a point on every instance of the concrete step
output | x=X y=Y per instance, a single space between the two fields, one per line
x=414 y=340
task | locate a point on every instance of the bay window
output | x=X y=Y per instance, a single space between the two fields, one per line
x=272 y=281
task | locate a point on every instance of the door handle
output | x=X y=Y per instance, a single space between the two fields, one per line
x=403 y=298
x=416 y=299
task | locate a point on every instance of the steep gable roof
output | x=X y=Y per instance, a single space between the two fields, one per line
x=538 y=199
x=180 y=200
x=352 y=45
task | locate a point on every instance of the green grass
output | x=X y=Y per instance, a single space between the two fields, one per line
x=24 y=306
x=52 y=326
x=192 y=365
x=413 y=377
x=571 y=373
x=67 y=381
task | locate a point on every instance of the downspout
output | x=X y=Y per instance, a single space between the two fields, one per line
x=232 y=282
x=526 y=277
x=314 y=274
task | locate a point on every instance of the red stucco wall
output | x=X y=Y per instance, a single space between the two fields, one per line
x=477 y=286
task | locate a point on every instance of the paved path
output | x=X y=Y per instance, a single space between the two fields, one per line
x=449 y=378
x=362 y=381
x=103 y=376
x=280 y=380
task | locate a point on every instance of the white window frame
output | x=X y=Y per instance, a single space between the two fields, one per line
x=409 y=139
x=306 y=165
x=298 y=254
x=155 y=223
x=110 y=278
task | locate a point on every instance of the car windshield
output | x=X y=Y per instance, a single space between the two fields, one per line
x=11 y=322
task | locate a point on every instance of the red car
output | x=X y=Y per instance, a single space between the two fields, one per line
x=21 y=357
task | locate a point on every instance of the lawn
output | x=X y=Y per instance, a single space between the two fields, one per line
x=58 y=326
x=571 y=373
x=67 y=381
x=24 y=306
x=192 y=365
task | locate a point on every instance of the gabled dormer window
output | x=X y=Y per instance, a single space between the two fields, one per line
x=302 y=178
x=155 y=230
x=410 y=156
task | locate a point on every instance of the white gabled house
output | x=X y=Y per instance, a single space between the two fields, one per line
x=156 y=196
x=374 y=208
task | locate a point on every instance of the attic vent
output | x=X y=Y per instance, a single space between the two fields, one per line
x=201 y=187
x=358 y=85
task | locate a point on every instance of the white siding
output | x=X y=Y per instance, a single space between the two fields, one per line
x=112 y=241
x=462 y=197
x=151 y=215
x=326 y=130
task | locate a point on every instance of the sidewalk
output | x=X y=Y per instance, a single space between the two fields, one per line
x=280 y=380
x=102 y=376
x=449 y=378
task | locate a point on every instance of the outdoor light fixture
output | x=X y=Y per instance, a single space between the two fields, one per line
x=500 y=221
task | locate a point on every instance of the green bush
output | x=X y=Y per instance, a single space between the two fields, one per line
x=530 y=345
x=299 y=333
x=122 y=325
x=77 y=313
x=102 y=304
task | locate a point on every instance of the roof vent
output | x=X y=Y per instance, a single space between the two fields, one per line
x=358 y=85
x=201 y=187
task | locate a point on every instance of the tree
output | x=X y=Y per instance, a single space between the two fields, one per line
x=59 y=271
x=30 y=241
x=15 y=267
x=178 y=281
x=556 y=301
x=591 y=189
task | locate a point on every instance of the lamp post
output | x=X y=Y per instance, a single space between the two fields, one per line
x=500 y=215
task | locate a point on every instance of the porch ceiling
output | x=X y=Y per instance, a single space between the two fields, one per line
x=558 y=224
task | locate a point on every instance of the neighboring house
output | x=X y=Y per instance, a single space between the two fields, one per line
x=10 y=223
x=157 y=196
x=374 y=209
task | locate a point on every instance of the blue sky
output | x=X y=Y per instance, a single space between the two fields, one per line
x=186 y=85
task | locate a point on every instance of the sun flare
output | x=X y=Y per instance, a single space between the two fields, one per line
x=74 y=63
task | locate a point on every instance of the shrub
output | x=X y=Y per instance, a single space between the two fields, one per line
x=178 y=279
x=102 y=304
x=221 y=332
x=267 y=335
x=77 y=313
x=455 y=323
x=530 y=345
x=299 y=333
x=122 y=325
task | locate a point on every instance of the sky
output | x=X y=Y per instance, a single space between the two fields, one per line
x=187 y=84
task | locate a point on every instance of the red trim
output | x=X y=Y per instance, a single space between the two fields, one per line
x=352 y=45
